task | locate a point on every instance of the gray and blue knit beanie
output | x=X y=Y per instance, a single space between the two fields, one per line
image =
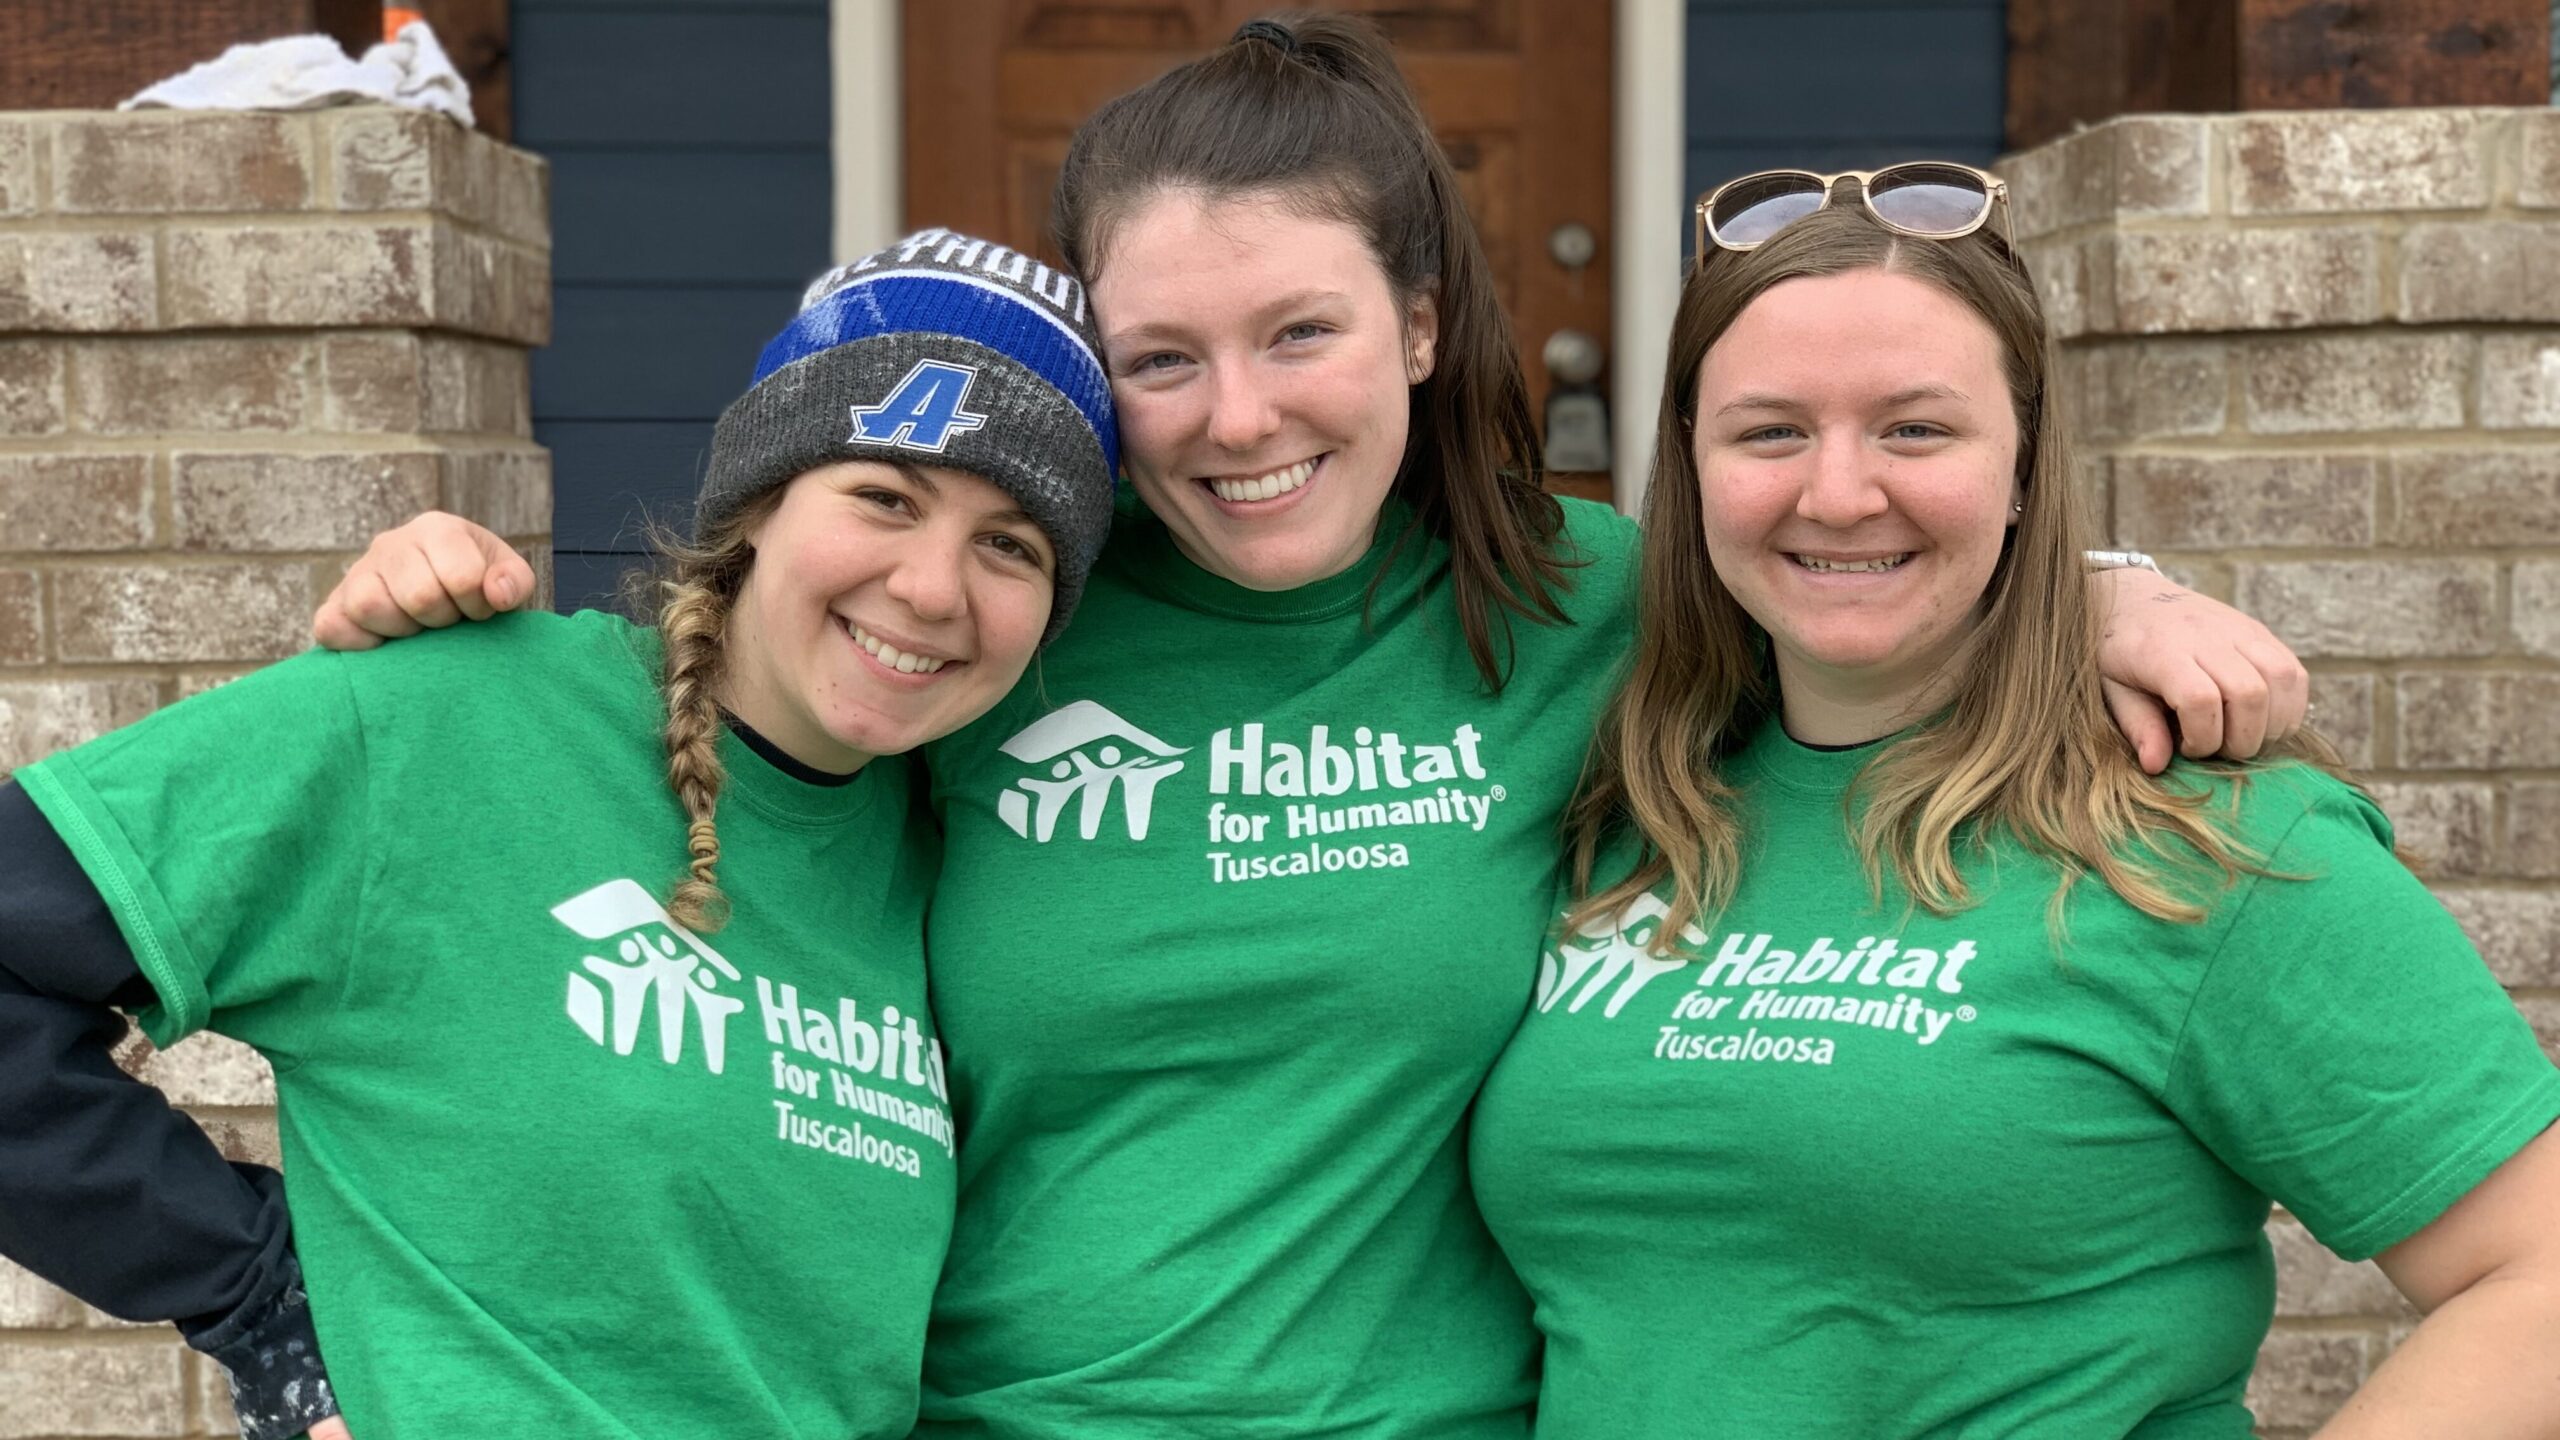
x=941 y=350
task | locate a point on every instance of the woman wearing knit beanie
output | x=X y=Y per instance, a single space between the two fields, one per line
x=589 y=956
x=1241 y=902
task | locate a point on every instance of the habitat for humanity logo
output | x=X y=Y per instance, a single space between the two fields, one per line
x=1757 y=1000
x=1083 y=747
x=663 y=970
x=1614 y=948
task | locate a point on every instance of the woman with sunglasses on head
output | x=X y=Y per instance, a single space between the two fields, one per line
x=625 y=1118
x=1239 y=902
x=1908 y=1062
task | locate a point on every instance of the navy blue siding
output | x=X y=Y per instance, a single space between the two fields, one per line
x=718 y=78
x=744 y=215
x=692 y=197
x=1840 y=85
x=656 y=352
x=635 y=469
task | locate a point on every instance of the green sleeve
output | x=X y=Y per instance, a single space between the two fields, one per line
x=229 y=834
x=2348 y=1053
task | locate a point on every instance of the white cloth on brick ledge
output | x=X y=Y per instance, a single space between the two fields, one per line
x=309 y=72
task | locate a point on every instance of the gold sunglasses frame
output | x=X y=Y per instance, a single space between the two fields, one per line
x=1995 y=193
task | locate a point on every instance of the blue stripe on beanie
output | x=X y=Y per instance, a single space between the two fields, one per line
x=994 y=315
x=1043 y=431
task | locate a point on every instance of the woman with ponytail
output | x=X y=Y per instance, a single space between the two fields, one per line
x=1242 y=898
x=606 y=1110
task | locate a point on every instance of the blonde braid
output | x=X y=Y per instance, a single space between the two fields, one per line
x=691 y=624
x=696 y=586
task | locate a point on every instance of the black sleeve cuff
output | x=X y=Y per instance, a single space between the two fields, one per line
x=278 y=1385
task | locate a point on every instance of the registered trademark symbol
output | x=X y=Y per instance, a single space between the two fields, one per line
x=1964 y=1012
x=1496 y=792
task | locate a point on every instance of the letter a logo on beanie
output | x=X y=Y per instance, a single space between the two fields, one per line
x=941 y=346
x=923 y=413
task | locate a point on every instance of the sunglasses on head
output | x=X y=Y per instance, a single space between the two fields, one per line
x=1931 y=199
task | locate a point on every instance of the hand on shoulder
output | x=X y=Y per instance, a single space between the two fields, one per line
x=428 y=573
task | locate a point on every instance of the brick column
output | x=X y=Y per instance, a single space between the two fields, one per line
x=232 y=346
x=2313 y=361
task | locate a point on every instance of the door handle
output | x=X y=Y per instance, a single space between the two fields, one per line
x=1577 y=430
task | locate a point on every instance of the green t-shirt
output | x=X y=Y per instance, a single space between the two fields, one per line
x=557 y=1166
x=1835 y=1169
x=1242 y=899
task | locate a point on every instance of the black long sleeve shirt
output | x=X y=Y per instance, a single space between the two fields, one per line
x=105 y=1189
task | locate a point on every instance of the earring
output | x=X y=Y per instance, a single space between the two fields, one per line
x=2017 y=507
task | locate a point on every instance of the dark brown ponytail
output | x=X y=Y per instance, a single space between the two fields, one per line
x=1314 y=107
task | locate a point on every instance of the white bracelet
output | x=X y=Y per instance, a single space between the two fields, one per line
x=2120 y=560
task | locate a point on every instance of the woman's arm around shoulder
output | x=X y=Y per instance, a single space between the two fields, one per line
x=2166 y=651
x=430 y=572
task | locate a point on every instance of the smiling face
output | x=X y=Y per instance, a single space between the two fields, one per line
x=886 y=606
x=1857 y=455
x=1261 y=363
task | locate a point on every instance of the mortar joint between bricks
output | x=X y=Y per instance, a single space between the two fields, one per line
x=71 y=377
x=2390 y=294
x=160 y=498
x=159 y=277
x=169 y=557
x=2345 y=1327
x=2378 y=445
x=103 y=672
x=41 y=146
x=2502 y=151
x=191 y=1388
x=2475 y=375
x=324 y=163
x=352 y=444
x=92 y=1336
x=2217 y=170
x=234 y=222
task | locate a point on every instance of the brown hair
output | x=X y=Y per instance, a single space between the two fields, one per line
x=2025 y=744
x=695 y=585
x=1311 y=110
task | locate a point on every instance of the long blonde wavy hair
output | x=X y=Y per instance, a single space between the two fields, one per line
x=2025 y=746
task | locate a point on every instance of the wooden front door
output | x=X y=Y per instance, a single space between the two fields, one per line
x=1518 y=91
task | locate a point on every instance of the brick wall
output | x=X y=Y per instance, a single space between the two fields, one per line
x=2315 y=364
x=231 y=347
